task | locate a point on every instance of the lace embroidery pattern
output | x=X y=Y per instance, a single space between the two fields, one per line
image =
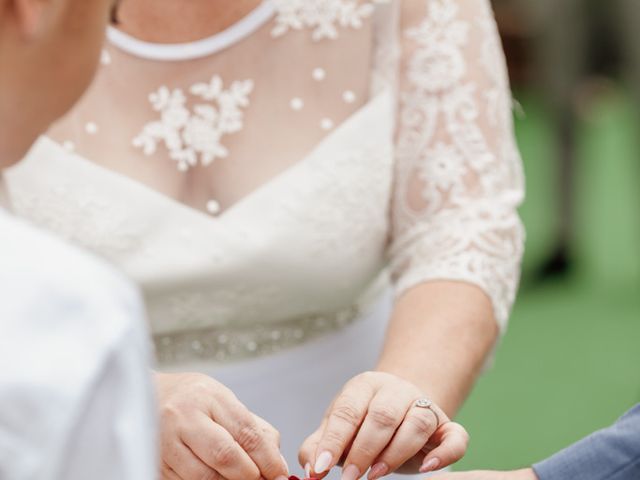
x=323 y=16
x=195 y=136
x=458 y=179
x=96 y=222
x=439 y=62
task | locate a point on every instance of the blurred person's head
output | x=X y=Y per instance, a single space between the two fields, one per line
x=49 y=50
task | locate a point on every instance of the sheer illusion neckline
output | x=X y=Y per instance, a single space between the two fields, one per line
x=196 y=49
x=379 y=104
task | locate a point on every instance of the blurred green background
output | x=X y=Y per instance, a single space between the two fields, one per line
x=570 y=362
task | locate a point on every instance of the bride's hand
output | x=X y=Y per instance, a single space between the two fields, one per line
x=374 y=423
x=206 y=433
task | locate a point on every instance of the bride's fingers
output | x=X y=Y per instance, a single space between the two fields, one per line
x=270 y=431
x=386 y=412
x=343 y=422
x=452 y=440
x=167 y=473
x=308 y=450
x=414 y=432
x=215 y=447
x=256 y=437
x=184 y=465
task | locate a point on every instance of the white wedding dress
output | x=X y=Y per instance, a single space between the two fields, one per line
x=265 y=186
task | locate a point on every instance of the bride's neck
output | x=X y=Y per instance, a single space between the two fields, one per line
x=176 y=21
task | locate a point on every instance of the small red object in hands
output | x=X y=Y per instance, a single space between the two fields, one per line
x=293 y=477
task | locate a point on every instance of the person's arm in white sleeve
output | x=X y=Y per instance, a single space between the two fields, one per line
x=114 y=436
x=76 y=398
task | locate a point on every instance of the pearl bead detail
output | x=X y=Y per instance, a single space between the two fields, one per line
x=91 y=128
x=213 y=207
x=348 y=96
x=297 y=104
x=105 y=58
x=326 y=124
x=319 y=74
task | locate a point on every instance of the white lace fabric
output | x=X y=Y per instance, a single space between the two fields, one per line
x=270 y=173
x=458 y=171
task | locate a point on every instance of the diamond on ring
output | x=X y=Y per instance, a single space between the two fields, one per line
x=428 y=404
x=423 y=403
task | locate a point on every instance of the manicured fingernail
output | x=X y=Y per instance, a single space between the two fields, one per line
x=351 y=472
x=285 y=462
x=307 y=470
x=378 y=470
x=430 y=465
x=323 y=462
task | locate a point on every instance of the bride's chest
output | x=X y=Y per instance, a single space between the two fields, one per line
x=209 y=131
x=241 y=190
x=307 y=242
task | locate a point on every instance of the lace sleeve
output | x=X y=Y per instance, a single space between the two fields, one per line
x=458 y=171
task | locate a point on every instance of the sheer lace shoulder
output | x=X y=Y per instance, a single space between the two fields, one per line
x=458 y=176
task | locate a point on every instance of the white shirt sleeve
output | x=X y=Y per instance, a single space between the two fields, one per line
x=76 y=398
x=115 y=424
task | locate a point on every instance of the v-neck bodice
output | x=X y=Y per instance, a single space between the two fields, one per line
x=302 y=247
x=257 y=183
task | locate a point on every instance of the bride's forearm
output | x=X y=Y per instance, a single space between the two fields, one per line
x=439 y=337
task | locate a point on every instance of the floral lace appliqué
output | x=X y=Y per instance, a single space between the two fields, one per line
x=458 y=179
x=194 y=136
x=439 y=62
x=323 y=16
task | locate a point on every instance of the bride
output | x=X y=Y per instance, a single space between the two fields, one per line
x=318 y=199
